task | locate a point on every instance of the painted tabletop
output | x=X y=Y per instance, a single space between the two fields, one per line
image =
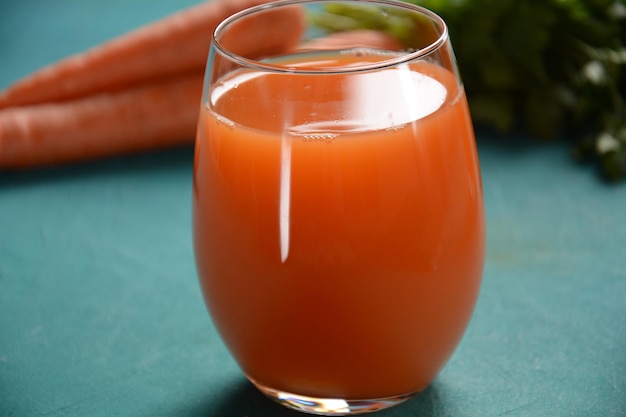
x=101 y=313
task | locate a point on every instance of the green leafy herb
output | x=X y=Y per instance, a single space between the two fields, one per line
x=554 y=68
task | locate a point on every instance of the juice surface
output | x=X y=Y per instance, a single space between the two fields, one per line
x=339 y=226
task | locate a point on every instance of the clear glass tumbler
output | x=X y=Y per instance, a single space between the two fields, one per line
x=338 y=218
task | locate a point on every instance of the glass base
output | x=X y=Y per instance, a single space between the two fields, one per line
x=331 y=406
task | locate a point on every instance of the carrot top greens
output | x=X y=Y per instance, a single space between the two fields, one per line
x=551 y=68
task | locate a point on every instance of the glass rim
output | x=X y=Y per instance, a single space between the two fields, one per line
x=403 y=57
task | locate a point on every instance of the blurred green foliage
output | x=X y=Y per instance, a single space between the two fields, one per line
x=552 y=68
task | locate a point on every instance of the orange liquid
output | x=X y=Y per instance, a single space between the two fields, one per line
x=340 y=248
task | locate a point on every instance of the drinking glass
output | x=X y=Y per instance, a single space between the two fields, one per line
x=338 y=215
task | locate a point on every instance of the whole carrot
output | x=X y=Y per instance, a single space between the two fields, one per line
x=120 y=109
x=148 y=117
x=176 y=44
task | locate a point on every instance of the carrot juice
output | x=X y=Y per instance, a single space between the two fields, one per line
x=338 y=224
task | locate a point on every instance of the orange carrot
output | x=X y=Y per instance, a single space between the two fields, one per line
x=361 y=38
x=148 y=117
x=175 y=44
x=261 y=35
x=135 y=93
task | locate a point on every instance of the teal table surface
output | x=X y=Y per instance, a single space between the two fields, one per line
x=101 y=313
